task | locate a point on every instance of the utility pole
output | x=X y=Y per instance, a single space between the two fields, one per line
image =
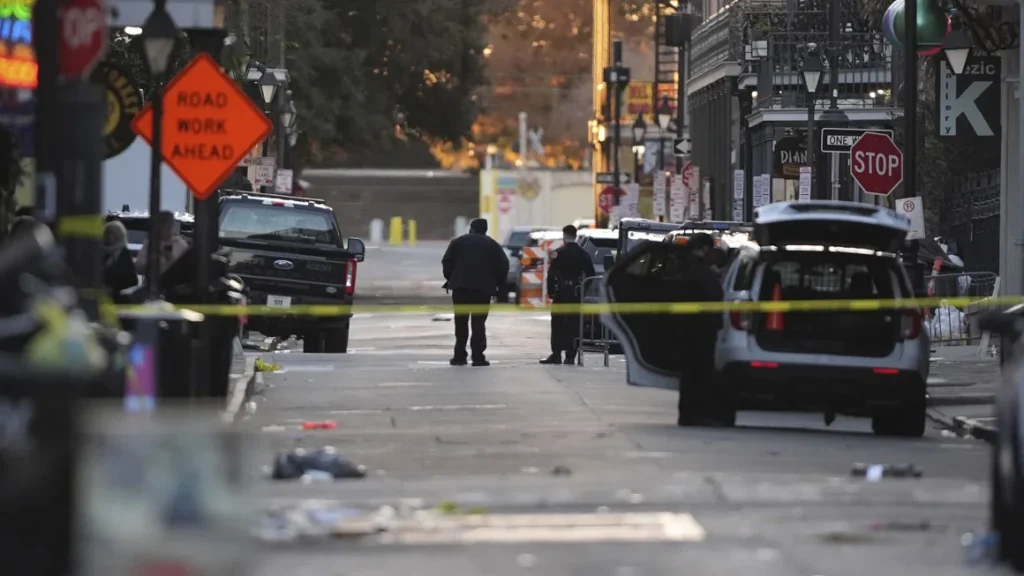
x=910 y=98
x=833 y=116
x=44 y=36
x=523 y=155
x=616 y=112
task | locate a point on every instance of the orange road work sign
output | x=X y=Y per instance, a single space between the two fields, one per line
x=209 y=125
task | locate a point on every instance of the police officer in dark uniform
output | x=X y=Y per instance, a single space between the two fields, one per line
x=702 y=401
x=570 y=264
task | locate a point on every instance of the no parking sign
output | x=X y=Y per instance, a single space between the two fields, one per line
x=913 y=208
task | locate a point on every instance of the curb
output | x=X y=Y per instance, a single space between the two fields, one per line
x=979 y=399
x=963 y=426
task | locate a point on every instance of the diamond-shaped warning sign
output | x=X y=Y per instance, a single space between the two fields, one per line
x=209 y=125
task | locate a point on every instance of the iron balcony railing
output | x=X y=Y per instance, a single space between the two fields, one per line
x=869 y=77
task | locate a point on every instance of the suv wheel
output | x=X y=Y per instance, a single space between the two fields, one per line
x=907 y=420
x=335 y=340
x=312 y=343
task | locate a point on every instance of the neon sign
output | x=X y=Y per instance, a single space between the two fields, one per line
x=18 y=67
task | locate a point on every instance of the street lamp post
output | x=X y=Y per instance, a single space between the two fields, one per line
x=159 y=37
x=639 y=132
x=812 y=77
x=664 y=117
x=268 y=90
x=956 y=46
x=281 y=126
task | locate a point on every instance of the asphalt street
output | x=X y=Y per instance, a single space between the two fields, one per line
x=774 y=495
x=402 y=275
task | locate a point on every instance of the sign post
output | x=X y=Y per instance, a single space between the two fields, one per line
x=876 y=163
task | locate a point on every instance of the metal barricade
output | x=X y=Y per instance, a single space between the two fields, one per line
x=950 y=325
x=594 y=335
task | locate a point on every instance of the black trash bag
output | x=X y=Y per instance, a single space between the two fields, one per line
x=295 y=463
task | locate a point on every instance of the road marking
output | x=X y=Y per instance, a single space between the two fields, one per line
x=936 y=380
x=459 y=407
x=403 y=384
x=524 y=528
x=307 y=368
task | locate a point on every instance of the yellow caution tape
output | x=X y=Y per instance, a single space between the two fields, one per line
x=674 y=308
x=81 y=226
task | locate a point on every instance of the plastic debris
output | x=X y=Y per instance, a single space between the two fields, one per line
x=875 y=472
x=274 y=428
x=326 y=461
x=981 y=547
x=312 y=518
x=249 y=408
x=322 y=425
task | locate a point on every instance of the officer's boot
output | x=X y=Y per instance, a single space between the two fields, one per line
x=554 y=358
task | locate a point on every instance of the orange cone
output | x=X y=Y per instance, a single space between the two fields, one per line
x=775 y=318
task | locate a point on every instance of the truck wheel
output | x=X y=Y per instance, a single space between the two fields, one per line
x=336 y=340
x=312 y=343
x=907 y=420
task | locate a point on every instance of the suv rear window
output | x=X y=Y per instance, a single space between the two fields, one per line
x=817 y=277
x=248 y=221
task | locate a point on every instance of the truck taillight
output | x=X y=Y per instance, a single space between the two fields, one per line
x=739 y=320
x=910 y=324
x=350 y=277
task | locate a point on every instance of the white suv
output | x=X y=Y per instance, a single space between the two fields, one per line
x=865 y=363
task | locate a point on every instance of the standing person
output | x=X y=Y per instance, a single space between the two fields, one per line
x=570 y=264
x=700 y=401
x=118 y=270
x=172 y=246
x=475 y=268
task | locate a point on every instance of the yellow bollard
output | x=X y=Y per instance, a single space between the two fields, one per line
x=396 y=231
x=412 y=232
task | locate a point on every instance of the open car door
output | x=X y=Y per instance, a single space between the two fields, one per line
x=652 y=272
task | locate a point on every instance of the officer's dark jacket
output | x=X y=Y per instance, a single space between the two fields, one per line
x=703 y=284
x=569 y=264
x=475 y=262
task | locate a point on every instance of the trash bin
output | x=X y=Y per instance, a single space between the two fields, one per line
x=180 y=283
x=175 y=331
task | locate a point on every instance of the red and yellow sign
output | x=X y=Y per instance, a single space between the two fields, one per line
x=18 y=67
x=209 y=125
x=639 y=99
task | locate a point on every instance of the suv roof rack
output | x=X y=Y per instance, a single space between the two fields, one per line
x=250 y=194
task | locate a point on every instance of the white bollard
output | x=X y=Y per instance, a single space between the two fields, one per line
x=376 y=232
x=461 y=226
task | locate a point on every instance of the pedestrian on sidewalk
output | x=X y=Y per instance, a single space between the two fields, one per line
x=118 y=270
x=475 y=268
x=172 y=245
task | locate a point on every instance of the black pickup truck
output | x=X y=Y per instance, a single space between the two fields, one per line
x=290 y=252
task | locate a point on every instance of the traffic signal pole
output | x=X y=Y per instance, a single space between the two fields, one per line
x=69 y=168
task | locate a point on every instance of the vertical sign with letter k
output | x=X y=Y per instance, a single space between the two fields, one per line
x=953 y=105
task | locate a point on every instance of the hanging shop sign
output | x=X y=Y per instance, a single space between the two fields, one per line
x=124 y=102
x=18 y=68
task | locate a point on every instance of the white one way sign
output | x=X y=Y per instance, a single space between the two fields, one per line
x=841 y=140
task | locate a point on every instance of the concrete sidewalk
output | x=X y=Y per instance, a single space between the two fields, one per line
x=962 y=389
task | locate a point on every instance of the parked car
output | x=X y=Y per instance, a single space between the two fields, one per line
x=872 y=364
x=137 y=225
x=290 y=252
x=601 y=244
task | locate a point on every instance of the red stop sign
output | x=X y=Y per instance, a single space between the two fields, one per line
x=82 y=34
x=876 y=163
x=606 y=199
